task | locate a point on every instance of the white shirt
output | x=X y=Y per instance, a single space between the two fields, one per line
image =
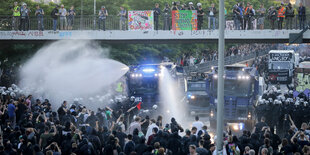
x=150 y=130
x=198 y=125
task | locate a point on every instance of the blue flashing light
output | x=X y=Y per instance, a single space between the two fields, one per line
x=241 y=126
x=148 y=70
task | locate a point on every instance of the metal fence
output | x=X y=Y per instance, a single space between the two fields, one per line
x=90 y=22
x=204 y=67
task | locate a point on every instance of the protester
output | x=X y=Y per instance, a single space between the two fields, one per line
x=103 y=14
x=71 y=15
x=16 y=17
x=63 y=17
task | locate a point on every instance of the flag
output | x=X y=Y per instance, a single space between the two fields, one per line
x=139 y=105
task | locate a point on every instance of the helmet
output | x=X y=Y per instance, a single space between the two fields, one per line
x=190 y=3
x=132 y=98
x=290 y=92
x=297 y=103
x=198 y=4
x=265 y=91
x=279 y=91
x=154 y=107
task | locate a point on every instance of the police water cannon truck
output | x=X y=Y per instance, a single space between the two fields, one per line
x=197 y=98
x=241 y=87
x=143 y=83
x=281 y=65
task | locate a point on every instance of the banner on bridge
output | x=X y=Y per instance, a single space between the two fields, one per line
x=184 y=20
x=140 y=20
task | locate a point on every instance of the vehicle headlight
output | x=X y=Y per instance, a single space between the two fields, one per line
x=211 y=114
x=140 y=75
x=249 y=115
x=215 y=76
x=156 y=75
x=239 y=77
x=247 y=77
x=193 y=97
x=235 y=127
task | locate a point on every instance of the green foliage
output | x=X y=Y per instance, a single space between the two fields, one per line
x=8 y=4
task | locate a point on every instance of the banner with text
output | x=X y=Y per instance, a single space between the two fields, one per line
x=184 y=20
x=140 y=20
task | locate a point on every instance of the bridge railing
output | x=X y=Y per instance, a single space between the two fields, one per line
x=90 y=22
x=204 y=67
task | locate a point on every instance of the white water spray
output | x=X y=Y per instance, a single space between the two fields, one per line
x=171 y=98
x=70 y=69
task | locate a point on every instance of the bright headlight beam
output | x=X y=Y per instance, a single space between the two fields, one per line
x=148 y=70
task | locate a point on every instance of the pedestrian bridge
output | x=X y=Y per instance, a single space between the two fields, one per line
x=117 y=36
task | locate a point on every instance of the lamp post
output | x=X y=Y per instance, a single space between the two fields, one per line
x=220 y=89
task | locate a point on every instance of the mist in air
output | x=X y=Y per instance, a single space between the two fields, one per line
x=65 y=70
x=171 y=98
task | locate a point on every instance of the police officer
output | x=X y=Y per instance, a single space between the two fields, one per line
x=260 y=109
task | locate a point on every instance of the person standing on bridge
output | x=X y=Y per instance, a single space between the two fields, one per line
x=156 y=15
x=250 y=16
x=123 y=16
x=16 y=16
x=301 y=16
x=39 y=13
x=289 y=15
x=212 y=16
x=166 y=12
x=24 y=20
x=103 y=13
x=281 y=15
x=272 y=15
x=63 y=17
x=71 y=15
x=55 y=15
x=200 y=15
x=261 y=17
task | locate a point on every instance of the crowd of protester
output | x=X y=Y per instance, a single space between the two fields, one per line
x=32 y=126
x=243 y=16
x=212 y=55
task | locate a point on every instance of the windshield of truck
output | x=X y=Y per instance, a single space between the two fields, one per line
x=143 y=86
x=196 y=86
x=240 y=88
x=280 y=65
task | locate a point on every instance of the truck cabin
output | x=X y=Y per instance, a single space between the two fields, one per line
x=143 y=82
x=239 y=81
